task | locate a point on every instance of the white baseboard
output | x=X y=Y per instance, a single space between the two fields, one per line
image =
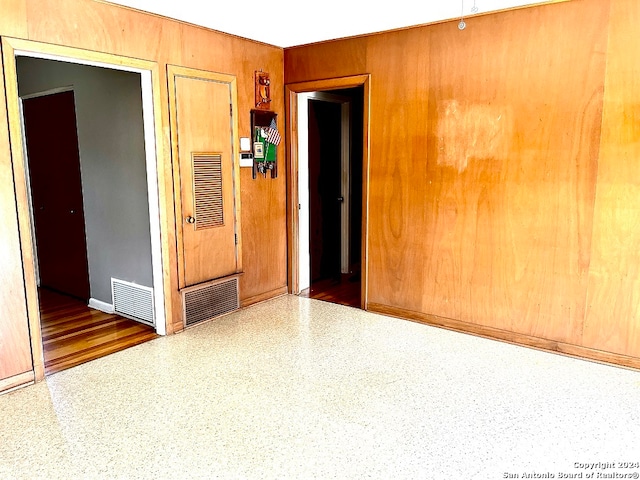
x=100 y=305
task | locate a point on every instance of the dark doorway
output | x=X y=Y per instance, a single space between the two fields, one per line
x=56 y=192
x=325 y=189
x=330 y=281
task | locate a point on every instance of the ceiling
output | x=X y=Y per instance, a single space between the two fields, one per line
x=272 y=21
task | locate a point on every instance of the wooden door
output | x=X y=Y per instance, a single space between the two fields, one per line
x=56 y=191
x=204 y=135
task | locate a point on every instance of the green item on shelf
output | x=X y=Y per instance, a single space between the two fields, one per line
x=268 y=149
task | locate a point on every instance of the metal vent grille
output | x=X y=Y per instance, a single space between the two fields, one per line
x=133 y=301
x=210 y=300
x=207 y=190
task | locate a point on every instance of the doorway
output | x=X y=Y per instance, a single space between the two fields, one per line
x=55 y=186
x=72 y=331
x=328 y=216
x=328 y=184
x=111 y=108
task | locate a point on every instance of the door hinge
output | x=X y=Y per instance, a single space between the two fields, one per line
x=236 y=237
x=231 y=109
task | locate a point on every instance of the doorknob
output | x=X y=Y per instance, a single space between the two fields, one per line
x=341 y=199
x=190 y=220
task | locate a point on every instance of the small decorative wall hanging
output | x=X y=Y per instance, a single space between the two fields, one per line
x=263 y=90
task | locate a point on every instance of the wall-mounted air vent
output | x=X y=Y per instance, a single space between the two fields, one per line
x=207 y=190
x=210 y=300
x=133 y=301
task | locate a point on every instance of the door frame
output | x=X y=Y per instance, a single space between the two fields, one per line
x=156 y=178
x=293 y=92
x=303 y=173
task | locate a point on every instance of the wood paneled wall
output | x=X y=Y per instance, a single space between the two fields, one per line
x=106 y=28
x=504 y=184
x=613 y=297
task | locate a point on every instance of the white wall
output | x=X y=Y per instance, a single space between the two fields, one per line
x=112 y=160
x=315 y=23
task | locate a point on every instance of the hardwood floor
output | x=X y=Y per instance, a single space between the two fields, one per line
x=73 y=333
x=345 y=290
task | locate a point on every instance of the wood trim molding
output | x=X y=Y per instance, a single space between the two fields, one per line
x=328 y=84
x=165 y=200
x=24 y=216
x=291 y=149
x=17 y=381
x=291 y=112
x=552 y=346
x=76 y=54
x=278 y=292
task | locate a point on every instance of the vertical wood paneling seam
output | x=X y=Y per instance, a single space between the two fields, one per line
x=585 y=309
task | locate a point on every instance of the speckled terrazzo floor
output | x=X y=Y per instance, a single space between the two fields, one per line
x=296 y=388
